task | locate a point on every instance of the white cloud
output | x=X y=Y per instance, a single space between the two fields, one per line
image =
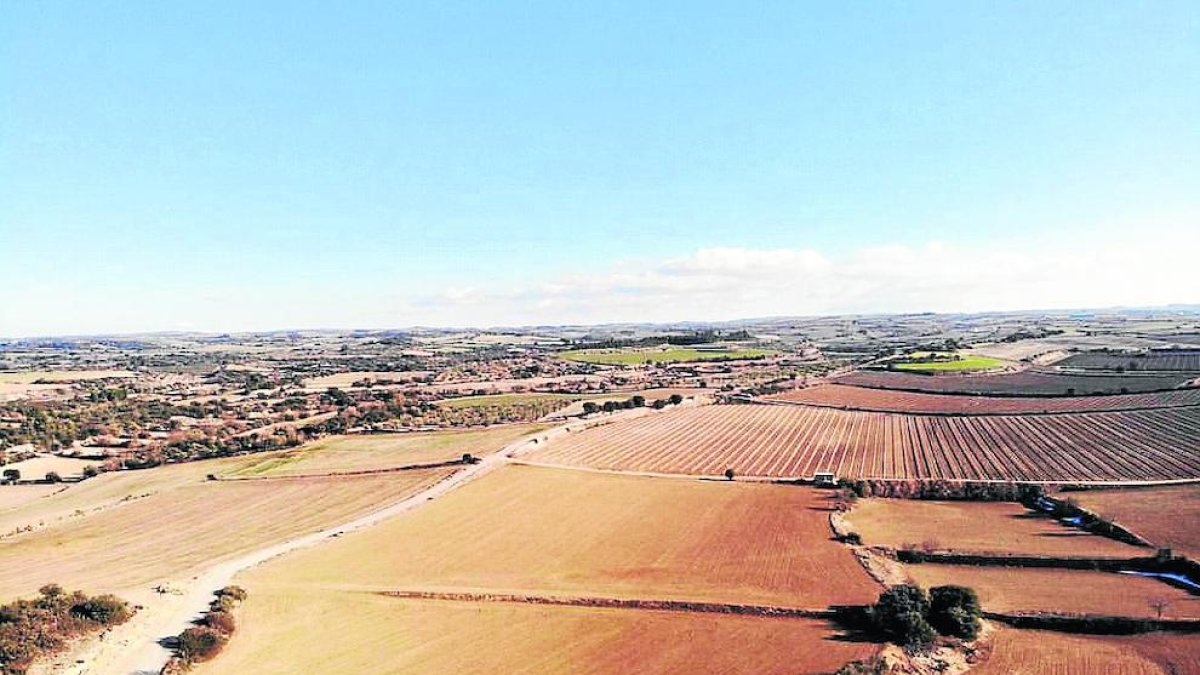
x=735 y=282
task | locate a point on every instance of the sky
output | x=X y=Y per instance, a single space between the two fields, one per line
x=254 y=166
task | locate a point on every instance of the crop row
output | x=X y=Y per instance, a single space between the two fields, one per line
x=1023 y=383
x=889 y=400
x=796 y=441
x=1157 y=360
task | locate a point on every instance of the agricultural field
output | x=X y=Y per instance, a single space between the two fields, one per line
x=278 y=625
x=633 y=357
x=58 y=376
x=1174 y=359
x=1022 y=383
x=1166 y=516
x=351 y=379
x=1029 y=589
x=1036 y=652
x=889 y=400
x=375 y=452
x=36 y=468
x=163 y=527
x=530 y=529
x=956 y=363
x=17 y=495
x=797 y=441
x=976 y=527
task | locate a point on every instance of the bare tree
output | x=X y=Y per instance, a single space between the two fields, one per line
x=1159 y=605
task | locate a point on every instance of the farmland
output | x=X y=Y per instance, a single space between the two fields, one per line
x=1022 y=383
x=547 y=530
x=976 y=527
x=1174 y=359
x=1167 y=516
x=796 y=441
x=380 y=451
x=1019 y=589
x=938 y=363
x=168 y=527
x=630 y=357
x=1035 y=652
x=888 y=400
x=431 y=636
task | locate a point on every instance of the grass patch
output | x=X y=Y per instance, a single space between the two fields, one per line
x=947 y=363
x=630 y=357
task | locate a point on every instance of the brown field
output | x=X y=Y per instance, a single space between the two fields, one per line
x=389 y=635
x=1032 y=652
x=1012 y=589
x=889 y=400
x=18 y=495
x=796 y=441
x=49 y=376
x=1166 y=516
x=37 y=467
x=554 y=531
x=175 y=529
x=977 y=527
x=1030 y=382
x=381 y=451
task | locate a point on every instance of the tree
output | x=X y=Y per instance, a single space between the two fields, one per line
x=729 y=474
x=900 y=614
x=1159 y=605
x=53 y=477
x=610 y=406
x=12 y=475
x=638 y=401
x=590 y=408
x=955 y=611
x=90 y=471
x=676 y=399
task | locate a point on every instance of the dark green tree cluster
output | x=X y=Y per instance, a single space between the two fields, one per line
x=911 y=618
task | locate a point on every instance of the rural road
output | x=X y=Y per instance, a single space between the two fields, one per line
x=134 y=648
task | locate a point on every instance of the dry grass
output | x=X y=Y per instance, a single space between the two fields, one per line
x=389 y=635
x=346 y=380
x=1029 y=652
x=382 y=451
x=554 y=531
x=1167 y=516
x=1012 y=589
x=180 y=528
x=12 y=496
x=977 y=527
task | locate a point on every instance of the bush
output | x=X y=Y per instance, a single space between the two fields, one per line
x=954 y=611
x=900 y=615
x=236 y=592
x=222 y=622
x=200 y=643
x=53 y=477
x=90 y=471
x=913 y=632
x=105 y=609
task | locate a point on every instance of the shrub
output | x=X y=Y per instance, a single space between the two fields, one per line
x=53 y=477
x=105 y=609
x=954 y=611
x=900 y=615
x=729 y=474
x=200 y=643
x=90 y=471
x=222 y=622
x=236 y=592
x=12 y=475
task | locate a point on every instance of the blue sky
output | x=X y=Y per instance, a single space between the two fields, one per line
x=232 y=166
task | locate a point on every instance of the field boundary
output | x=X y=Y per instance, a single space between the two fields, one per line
x=984 y=413
x=615 y=603
x=343 y=474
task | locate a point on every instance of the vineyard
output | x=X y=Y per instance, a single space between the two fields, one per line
x=885 y=400
x=1022 y=383
x=1182 y=359
x=796 y=441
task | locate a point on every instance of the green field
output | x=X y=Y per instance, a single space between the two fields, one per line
x=632 y=357
x=964 y=364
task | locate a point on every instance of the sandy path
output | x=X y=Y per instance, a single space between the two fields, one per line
x=134 y=647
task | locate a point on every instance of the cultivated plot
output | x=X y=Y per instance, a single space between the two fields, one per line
x=797 y=441
x=288 y=631
x=1034 y=652
x=1166 y=516
x=977 y=527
